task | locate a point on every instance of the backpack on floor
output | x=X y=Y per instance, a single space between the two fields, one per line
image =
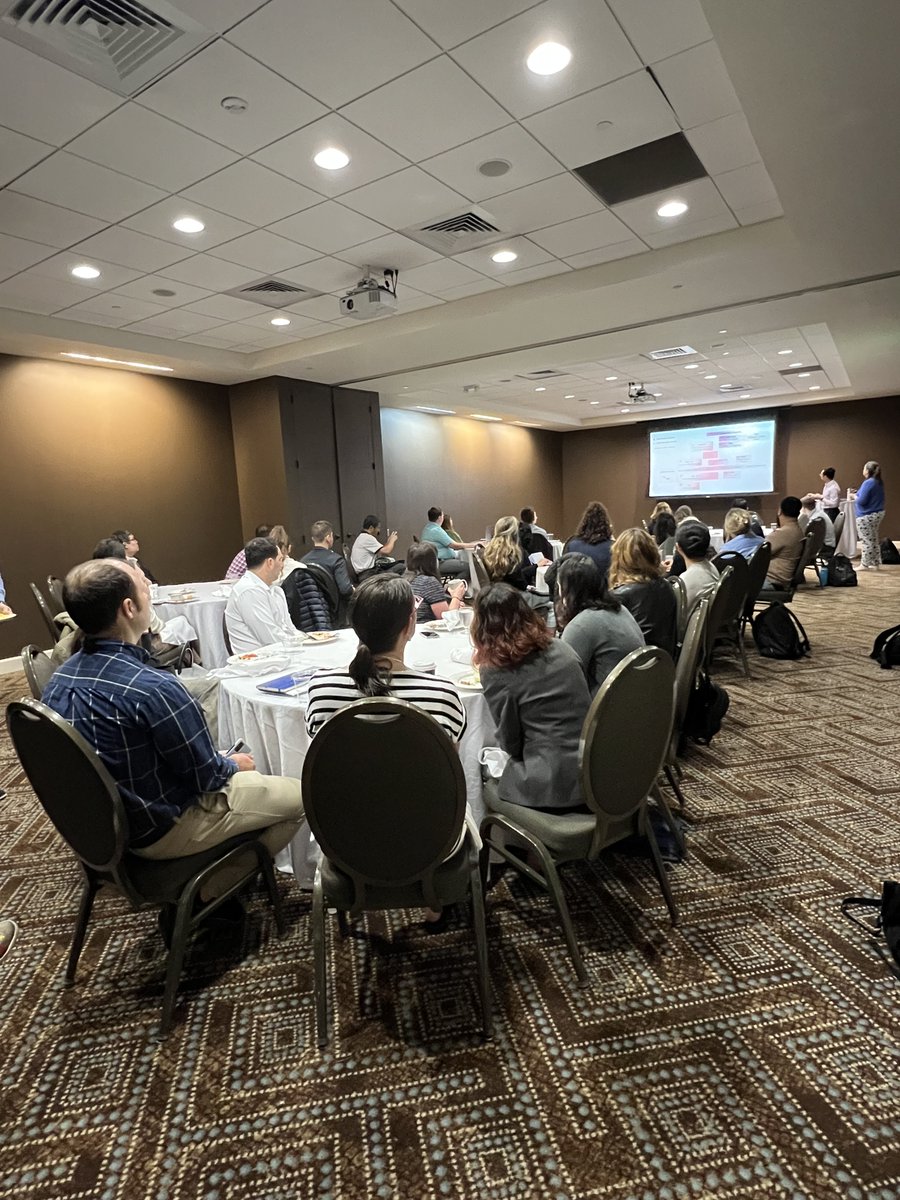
x=890 y=555
x=778 y=633
x=886 y=923
x=706 y=708
x=840 y=572
x=886 y=650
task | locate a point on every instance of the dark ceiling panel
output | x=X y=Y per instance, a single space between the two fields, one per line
x=646 y=169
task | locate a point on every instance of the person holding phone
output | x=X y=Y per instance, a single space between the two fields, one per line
x=369 y=554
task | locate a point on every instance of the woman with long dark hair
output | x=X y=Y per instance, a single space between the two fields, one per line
x=428 y=585
x=535 y=688
x=594 y=622
x=636 y=576
x=593 y=536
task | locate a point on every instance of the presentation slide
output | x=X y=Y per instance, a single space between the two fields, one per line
x=733 y=459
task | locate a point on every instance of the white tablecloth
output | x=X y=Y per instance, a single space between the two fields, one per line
x=274 y=727
x=557 y=547
x=205 y=613
x=847 y=542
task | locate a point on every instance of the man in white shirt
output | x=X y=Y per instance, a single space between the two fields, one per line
x=811 y=512
x=257 y=613
x=367 y=548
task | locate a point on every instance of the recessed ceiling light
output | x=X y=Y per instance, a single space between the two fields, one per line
x=116 y=362
x=570 y=396
x=595 y=402
x=725 y=353
x=785 y=352
x=483 y=417
x=441 y=412
x=188 y=225
x=816 y=387
x=682 y=403
x=625 y=410
x=611 y=378
x=85 y=271
x=504 y=256
x=657 y=394
x=672 y=208
x=795 y=365
x=279 y=321
x=744 y=396
x=723 y=331
x=710 y=377
x=331 y=159
x=548 y=58
x=804 y=375
x=541 y=389
x=691 y=366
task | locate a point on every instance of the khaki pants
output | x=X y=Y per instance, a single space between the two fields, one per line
x=250 y=801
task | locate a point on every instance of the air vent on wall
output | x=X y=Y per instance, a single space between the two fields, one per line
x=456 y=232
x=274 y=293
x=121 y=44
x=671 y=352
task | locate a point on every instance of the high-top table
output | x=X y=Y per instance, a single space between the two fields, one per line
x=205 y=611
x=274 y=727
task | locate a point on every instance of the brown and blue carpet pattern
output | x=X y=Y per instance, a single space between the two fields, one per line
x=750 y=1053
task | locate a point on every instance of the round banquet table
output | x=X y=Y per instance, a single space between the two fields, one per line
x=274 y=727
x=206 y=612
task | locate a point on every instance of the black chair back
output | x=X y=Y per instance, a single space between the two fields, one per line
x=809 y=548
x=739 y=587
x=839 y=526
x=225 y=638
x=482 y=578
x=351 y=570
x=45 y=612
x=55 y=594
x=757 y=568
x=38 y=669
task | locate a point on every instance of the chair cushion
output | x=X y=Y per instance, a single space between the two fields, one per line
x=451 y=883
x=162 y=880
x=566 y=835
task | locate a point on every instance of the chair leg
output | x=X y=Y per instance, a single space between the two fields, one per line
x=673 y=784
x=658 y=866
x=320 y=971
x=268 y=874
x=481 y=952
x=666 y=812
x=180 y=936
x=88 y=892
x=739 y=641
x=556 y=892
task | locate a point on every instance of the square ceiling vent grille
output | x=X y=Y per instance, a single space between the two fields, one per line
x=121 y=44
x=457 y=232
x=275 y=293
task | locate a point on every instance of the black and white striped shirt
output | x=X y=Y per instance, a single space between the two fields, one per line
x=330 y=691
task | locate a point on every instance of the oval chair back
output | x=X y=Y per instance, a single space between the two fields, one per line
x=618 y=767
x=384 y=793
x=55 y=593
x=689 y=664
x=720 y=597
x=680 y=607
x=38 y=669
x=45 y=612
x=481 y=574
x=839 y=526
x=758 y=568
x=351 y=570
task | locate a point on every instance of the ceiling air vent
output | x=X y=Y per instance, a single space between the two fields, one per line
x=671 y=352
x=274 y=293
x=457 y=232
x=120 y=44
x=546 y=373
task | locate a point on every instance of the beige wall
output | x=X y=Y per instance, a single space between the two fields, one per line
x=476 y=470
x=86 y=450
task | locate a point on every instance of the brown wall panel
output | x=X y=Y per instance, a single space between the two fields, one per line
x=258 y=454
x=476 y=470
x=86 y=450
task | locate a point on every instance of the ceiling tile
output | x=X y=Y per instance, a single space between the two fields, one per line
x=293 y=156
x=657 y=30
x=600 y=53
x=392 y=250
x=393 y=113
x=474 y=288
x=753 y=213
x=702 y=198
x=147 y=286
x=329 y=227
x=592 y=258
x=746 y=186
x=319 y=308
x=17 y=255
x=45 y=101
x=410 y=301
x=182 y=321
x=697 y=85
x=193 y=94
x=528 y=162
x=541 y=271
x=335 y=49
x=148 y=147
x=214 y=274
x=725 y=144
x=264 y=252
x=252 y=193
x=584 y=233
x=541 y=204
x=31 y=292
x=158 y=221
x=696 y=229
x=219 y=15
x=129 y=248
x=18 y=153
x=407 y=198
x=324 y=275
x=233 y=333
x=528 y=255
x=227 y=308
x=435 y=277
x=450 y=24
x=60 y=265
x=110 y=309
x=85 y=187
x=634 y=106
x=25 y=217
x=209 y=339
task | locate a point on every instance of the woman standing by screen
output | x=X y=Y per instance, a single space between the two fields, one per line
x=869 y=512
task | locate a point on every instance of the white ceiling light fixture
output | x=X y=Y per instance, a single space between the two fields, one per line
x=710 y=377
x=438 y=412
x=672 y=208
x=744 y=396
x=504 y=256
x=804 y=375
x=548 y=59
x=188 y=225
x=682 y=403
x=331 y=159
x=540 y=389
x=723 y=331
x=484 y=417
x=611 y=378
x=791 y=365
x=816 y=387
x=625 y=410
x=569 y=396
x=85 y=271
x=595 y=402
x=114 y=362
x=785 y=352
x=691 y=366
x=280 y=321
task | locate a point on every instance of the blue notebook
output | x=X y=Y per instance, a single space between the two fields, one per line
x=288 y=685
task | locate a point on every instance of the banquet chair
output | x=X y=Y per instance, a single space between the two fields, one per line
x=839 y=526
x=680 y=608
x=225 y=636
x=81 y=799
x=757 y=567
x=55 y=594
x=785 y=595
x=817 y=529
x=351 y=570
x=38 y=669
x=686 y=672
x=725 y=623
x=615 y=781
x=45 y=612
x=481 y=575
x=385 y=797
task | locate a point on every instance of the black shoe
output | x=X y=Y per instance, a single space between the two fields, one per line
x=440 y=925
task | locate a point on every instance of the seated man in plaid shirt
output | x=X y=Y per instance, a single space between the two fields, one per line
x=180 y=795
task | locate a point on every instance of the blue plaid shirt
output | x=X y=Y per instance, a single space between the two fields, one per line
x=150 y=734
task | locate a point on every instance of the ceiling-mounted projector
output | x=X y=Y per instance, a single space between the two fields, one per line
x=371 y=299
x=638 y=395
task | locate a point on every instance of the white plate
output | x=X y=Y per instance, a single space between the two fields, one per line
x=260 y=664
x=436 y=626
x=467 y=682
x=320 y=637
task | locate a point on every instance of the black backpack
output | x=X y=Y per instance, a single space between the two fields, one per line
x=840 y=572
x=886 y=650
x=890 y=555
x=778 y=633
x=706 y=708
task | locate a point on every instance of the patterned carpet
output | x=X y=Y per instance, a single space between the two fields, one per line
x=750 y=1053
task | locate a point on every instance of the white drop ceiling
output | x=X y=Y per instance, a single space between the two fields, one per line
x=791 y=238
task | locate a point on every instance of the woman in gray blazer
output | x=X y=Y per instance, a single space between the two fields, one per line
x=535 y=687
